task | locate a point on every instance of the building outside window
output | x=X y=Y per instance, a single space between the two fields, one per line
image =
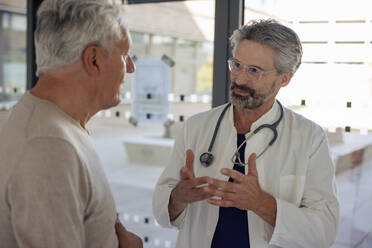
x=12 y=53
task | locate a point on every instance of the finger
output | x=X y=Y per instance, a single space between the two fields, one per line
x=226 y=195
x=221 y=203
x=252 y=170
x=190 y=160
x=186 y=173
x=194 y=183
x=236 y=175
x=200 y=181
x=199 y=194
x=224 y=186
x=183 y=173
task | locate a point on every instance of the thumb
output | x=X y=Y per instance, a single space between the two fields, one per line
x=252 y=170
x=190 y=161
x=186 y=173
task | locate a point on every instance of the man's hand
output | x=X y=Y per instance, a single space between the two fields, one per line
x=127 y=239
x=244 y=193
x=189 y=189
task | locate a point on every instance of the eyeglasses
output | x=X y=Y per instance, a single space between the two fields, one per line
x=252 y=72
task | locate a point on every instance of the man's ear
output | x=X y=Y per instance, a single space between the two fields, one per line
x=286 y=78
x=90 y=60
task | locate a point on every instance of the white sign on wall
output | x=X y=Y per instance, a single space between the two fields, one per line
x=151 y=86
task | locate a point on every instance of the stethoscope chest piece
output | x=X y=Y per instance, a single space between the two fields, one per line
x=206 y=159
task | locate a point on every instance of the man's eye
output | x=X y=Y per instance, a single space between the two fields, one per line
x=253 y=70
x=237 y=64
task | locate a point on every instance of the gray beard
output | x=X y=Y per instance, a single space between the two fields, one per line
x=252 y=101
x=247 y=102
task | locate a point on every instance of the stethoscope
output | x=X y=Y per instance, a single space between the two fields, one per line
x=206 y=158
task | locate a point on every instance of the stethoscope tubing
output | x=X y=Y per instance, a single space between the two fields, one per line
x=272 y=127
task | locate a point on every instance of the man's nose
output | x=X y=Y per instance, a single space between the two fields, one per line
x=240 y=78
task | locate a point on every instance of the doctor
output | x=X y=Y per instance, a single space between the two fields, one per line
x=251 y=173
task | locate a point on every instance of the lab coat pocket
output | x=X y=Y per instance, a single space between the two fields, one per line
x=291 y=188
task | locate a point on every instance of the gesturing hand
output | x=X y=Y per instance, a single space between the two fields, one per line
x=189 y=189
x=127 y=239
x=244 y=193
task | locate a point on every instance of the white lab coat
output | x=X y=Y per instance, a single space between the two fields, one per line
x=297 y=171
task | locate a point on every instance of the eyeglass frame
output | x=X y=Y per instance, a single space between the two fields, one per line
x=246 y=67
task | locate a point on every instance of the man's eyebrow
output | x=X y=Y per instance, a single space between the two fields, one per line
x=255 y=66
x=122 y=22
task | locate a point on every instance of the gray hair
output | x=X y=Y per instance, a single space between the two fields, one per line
x=66 y=27
x=283 y=40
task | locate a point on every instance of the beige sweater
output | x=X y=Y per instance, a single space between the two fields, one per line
x=53 y=191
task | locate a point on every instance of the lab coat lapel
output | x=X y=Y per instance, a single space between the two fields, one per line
x=227 y=146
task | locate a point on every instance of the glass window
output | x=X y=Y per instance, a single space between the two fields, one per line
x=161 y=45
x=186 y=49
x=139 y=38
x=205 y=68
x=159 y=40
x=140 y=44
x=135 y=151
x=13 y=56
x=19 y=23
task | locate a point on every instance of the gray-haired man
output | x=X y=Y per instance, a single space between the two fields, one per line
x=268 y=180
x=53 y=191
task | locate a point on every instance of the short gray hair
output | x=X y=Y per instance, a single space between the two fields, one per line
x=283 y=40
x=66 y=27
